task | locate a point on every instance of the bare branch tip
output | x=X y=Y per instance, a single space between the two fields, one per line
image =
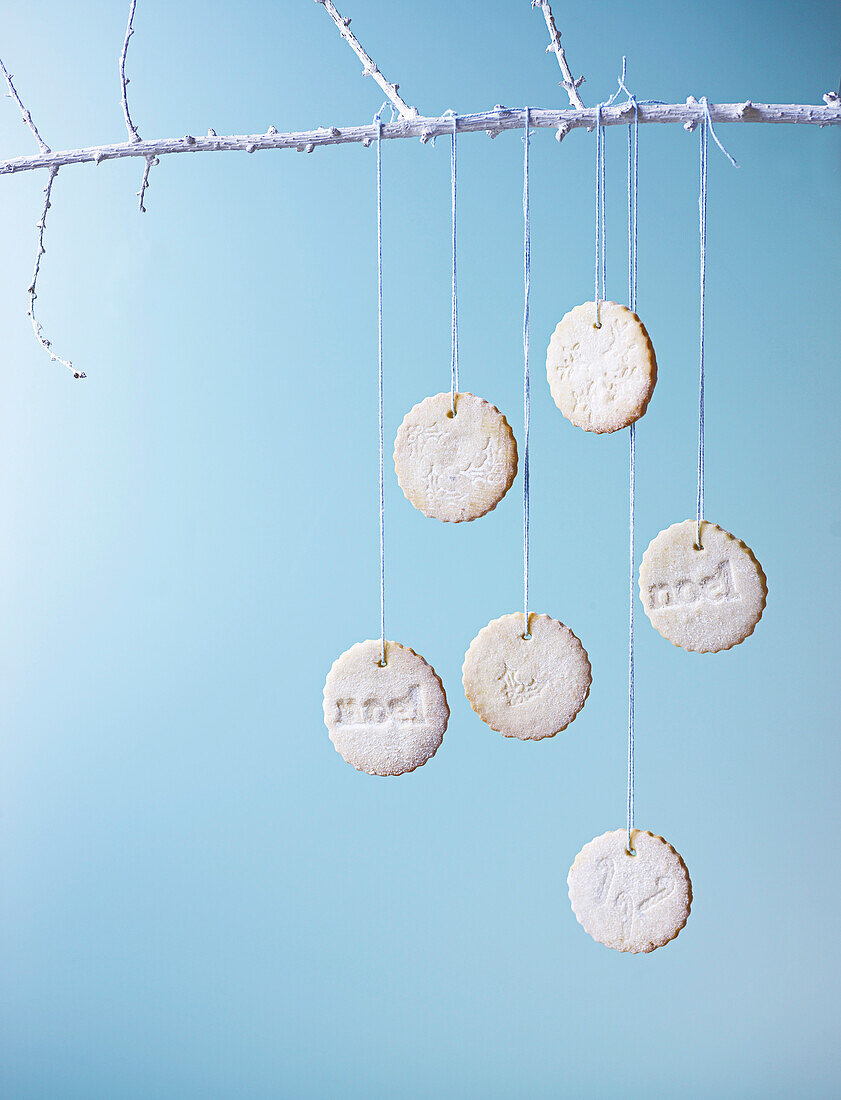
x=25 y=115
x=368 y=66
x=569 y=82
x=133 y=134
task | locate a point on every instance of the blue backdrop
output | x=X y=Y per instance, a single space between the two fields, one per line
x=198 y=897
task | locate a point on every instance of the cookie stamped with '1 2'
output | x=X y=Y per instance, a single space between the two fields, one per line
x=633 y=899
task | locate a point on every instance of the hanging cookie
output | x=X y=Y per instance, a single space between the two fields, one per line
x=703 y=598
x=526 y=687
x=455 y=466
x=384 y=719
x=630 y=900
x=601 y=370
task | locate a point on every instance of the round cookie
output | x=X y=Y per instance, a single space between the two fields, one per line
x=707 y=599
x=601 y=378
x=528 y=688
x=455 y=467
x=384 y=719
x=630 y=902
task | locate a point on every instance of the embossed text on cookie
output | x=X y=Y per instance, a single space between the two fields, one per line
x=716 y=587
x=375 y=712
x=627 y=907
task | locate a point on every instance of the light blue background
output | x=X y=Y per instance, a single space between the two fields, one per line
x=199 y=898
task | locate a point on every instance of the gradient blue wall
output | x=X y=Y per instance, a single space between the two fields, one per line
x=198 y=898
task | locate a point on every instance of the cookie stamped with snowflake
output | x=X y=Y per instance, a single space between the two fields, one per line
x=455 y=465
x=528 y=686
x=601 y=366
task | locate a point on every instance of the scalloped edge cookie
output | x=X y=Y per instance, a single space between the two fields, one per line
x=595 y=388
x=531 y=688
x=440 y=474
x=691 y=609
x=381 y=734
x=601 y=881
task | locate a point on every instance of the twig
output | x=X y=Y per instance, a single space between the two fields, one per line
x=27 y=117
x=493 y=122
x=368 y=66
x=555 y=47
x=36 y=326
x=124 y=81
x=133 y=133
x=141 y=194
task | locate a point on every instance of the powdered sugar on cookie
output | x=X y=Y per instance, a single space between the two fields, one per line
x=455 y=467
x=706 y=598
x=384 y=719
x=601 y=376
x=630 y=902
x=531 y=687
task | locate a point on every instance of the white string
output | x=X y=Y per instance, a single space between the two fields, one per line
x=702 y=226
x=454 y=351
x=378 y=120
x=709 y=120
x=600 y=258
x=597 y=191
x=526 y=380
x=633 y=175
x=633 y=178
x=604 y=253
x=705 y=130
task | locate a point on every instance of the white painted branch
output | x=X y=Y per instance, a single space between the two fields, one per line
x=493 y=122
x=368 y=66
x=144 y=183
x=132 y=129
x=569 y=82
x=27 y=117
x=39 y=252
x=133 y=133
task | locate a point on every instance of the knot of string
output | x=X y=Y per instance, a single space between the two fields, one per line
x=526 y=380
x=379 y=124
